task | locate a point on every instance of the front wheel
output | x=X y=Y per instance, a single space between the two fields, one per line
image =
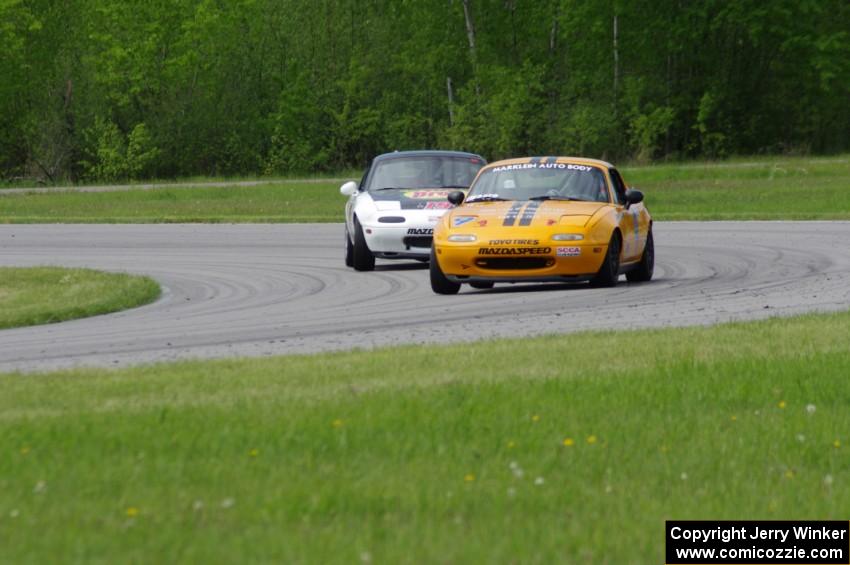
x=349 y=250
x=362 y=258
x=643 y=271
x=439 y=283
x=610 y=270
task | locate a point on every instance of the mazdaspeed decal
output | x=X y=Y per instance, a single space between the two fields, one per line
x=461 y=220
x=514 y=250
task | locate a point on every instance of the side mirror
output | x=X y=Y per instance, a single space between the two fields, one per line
x=348 y=188
x=456 y=197
x=633 y=196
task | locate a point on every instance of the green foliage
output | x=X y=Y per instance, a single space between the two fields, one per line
x=514 y=110
x=587 y=130
x=647 y=128
x=117 y=157
x=710 y=124
x=15 y=22
x=281 y=86
x=141 y=152
x=110 y=151
x=296 y=141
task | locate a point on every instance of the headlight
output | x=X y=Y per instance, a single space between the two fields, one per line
x=462 y=238
x=567 y=237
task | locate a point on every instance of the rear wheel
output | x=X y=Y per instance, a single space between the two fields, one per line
x=349 y=250
x=481 y=285
x=610 y=270
x=362 y=259
x=439 y=283
x=643 y=271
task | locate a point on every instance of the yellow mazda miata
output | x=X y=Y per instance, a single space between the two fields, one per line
x=543 y=219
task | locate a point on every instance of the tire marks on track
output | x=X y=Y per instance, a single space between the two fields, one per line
x=274 y=289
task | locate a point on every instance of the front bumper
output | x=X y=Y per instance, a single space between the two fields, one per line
x=544 y=263
x=406 y=240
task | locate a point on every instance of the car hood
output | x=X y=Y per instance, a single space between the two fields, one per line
x=413 y=198
x=524 y=213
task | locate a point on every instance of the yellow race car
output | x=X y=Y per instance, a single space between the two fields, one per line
x=543 y=219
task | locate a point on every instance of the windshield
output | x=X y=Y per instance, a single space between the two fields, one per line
x=424 y=172
x=534 y=181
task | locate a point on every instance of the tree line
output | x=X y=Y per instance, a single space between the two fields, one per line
x=102 y=90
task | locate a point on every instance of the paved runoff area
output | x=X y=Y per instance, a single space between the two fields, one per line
x=255 y=290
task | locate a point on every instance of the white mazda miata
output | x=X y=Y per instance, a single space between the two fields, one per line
x=391 y=213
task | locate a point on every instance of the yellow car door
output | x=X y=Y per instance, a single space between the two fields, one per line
x=629 y=220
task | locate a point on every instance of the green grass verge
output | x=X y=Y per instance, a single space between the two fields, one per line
x=570 y=448
x=199 y=179
x=767 y=189
x=42 y=295
x=307 y=202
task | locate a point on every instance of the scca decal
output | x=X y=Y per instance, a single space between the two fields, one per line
x=427 y=194
x=420 y=231
x=514 y=250
x=460 y=220
x=568 y=251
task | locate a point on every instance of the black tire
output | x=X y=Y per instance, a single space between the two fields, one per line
x=609 y=273
x=361 y=258
x=643 y=271
x=439 y=283
x=349 y=250
x=481 y=285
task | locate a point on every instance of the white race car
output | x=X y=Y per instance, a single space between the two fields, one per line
x=391 y=214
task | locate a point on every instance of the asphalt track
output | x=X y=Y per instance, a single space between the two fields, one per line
x=255 y=290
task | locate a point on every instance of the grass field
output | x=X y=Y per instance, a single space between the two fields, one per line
x=307 y=202
x=767 y=189
x=42 y=295
x=570 y=448
x=26 y=184
x=771 y=189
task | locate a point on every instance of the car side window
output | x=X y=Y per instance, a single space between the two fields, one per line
x=619 y=186
x=362 y=185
